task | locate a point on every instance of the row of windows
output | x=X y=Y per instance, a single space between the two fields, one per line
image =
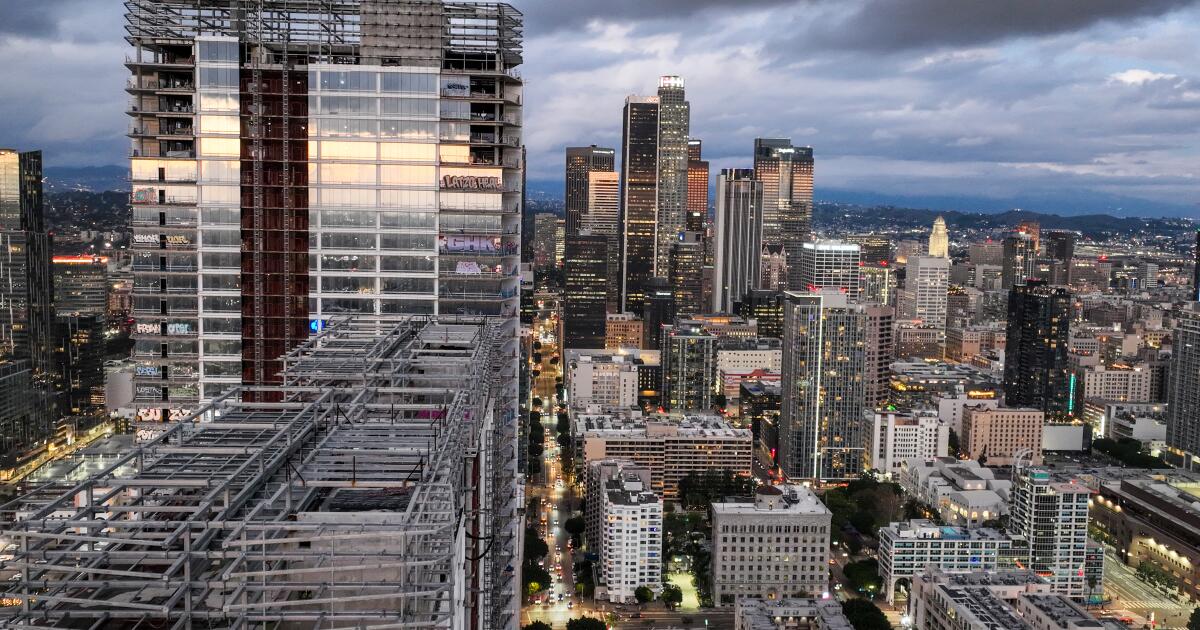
x=369 y=81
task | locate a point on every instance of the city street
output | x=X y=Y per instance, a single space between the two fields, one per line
x=1133 y=596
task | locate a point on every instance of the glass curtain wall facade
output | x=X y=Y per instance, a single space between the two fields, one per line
x=786 y=172
x=738 y=238
x=581 y=163
x=821 y=428
x=639 y=199
x=26 y=281
x=674 y=116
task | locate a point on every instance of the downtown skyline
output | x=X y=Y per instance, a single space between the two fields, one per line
x=1067 y=108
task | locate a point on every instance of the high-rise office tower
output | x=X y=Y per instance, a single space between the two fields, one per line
x=939 y=239
x=787 y=176
x=987 y=252
x=659 y=311
x=298 y=161
x=585 y=294
x=876 y=248
x=603 y=218
x=26 y=282
x=686 y=274
x=1036 y=369
x=821 y=426
x=764 y=306
x=80 y=284
x=581 y=163
x=737 y=262
x=79 y=361
x=23 y=421
x=545 y=240
x=1020 y=259
x=674 y=116
x=1183 y=387
x=689 y=359
x=879 y=351
x=1034 y=230
x=925 y=294
x=697 y=192
x=827 y=265
x=1059 y=245
x=1052 y=517
x=639 y=198
x=877 y=284
x=1196 y=269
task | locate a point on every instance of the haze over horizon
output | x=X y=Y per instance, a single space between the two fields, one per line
x=1090 y=104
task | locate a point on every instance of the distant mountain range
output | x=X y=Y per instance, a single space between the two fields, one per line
x=1064 y=204
x=853 y=217
x=86 y=178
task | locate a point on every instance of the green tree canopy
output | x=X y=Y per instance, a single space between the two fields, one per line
x=863 y=575
x=586 y=623
x=574 y=525
x=535 y=547
x=865 y=615
x=671 y=595
x=1194 y=621
x=537 y=625
x=643 y=594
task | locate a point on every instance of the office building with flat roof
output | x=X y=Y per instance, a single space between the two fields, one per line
x=771 y=546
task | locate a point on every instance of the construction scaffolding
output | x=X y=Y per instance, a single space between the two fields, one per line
x=375 y=493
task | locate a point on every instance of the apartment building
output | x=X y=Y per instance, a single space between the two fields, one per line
x=1001 y=434
x=623 y=330
x=772 y=546
x=963 y=492
x=609 y=380
x=1052 y=516
x=898 y=437
x=671 y=450
x=1116 y=381
x=908 y=547
x=632 y=532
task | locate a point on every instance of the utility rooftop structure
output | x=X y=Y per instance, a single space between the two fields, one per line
x=376 y=493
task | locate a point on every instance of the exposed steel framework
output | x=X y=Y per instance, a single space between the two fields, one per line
x=359 y=499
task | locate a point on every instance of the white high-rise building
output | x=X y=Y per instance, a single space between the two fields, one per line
x=925 y=296
x=898 y=437
x=772 y=546
x=939 y=239
x=632 y=532
x=1052 y=516
x=829 y=265
x=606 y=380
x=737 y=258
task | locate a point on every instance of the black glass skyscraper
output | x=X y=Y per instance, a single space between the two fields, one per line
x=1036 y=370
x=26 y=285
x=786 y=172
x=585 y=294
x=639 y=198
x=581 y=162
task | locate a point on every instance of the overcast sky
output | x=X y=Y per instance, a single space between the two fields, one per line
x=904 y=97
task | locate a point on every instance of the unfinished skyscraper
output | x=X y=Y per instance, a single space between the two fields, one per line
x=379 y=491
x=297 y=160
